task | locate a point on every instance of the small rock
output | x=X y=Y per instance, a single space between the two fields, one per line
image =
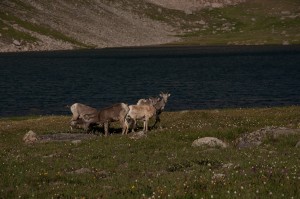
x=201 y=22
x=227 y=166
x=82 y=170
x=285 y=43
x=76 y=141
x=285 y=12
x=298 y=144
x=188 y=12
x=16 y=43
x=210 y=142
x=30 y=137
x=218 y=176
x=216 y=5
x=138 y=135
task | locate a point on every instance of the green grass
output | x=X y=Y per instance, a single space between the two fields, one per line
x=250 y=23
x=253 y=22
x=9 y=33
x=161 y=165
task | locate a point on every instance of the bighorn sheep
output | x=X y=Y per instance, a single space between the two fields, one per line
x=116 y=112
x=140 y=112
x=158 y=103
x=85 y=116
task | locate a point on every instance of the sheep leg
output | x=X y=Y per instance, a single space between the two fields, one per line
x=125 y=128
x=106 y=125
x=124 y=125
x=146 y=125
x=86 y=127
x=134 y=125
x=157 y=120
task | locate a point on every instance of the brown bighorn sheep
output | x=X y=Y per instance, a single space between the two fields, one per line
x=116 y=112
x=158 y=103
x=140 y=112
x=85 y=116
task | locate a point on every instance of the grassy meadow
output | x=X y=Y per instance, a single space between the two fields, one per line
x=161 y=165
x=253 y=22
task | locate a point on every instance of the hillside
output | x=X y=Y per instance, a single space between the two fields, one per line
x=27 y=25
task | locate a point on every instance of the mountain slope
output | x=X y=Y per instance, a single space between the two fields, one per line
x=72 y=24
x=66 y=24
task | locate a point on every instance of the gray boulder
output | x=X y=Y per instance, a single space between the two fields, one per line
x=257 y=137
x=209 y=142
x=30 y=137
x=16 y=43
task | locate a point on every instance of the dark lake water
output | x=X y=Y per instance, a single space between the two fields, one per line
x=196 y=77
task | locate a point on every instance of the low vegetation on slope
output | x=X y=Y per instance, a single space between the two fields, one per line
x=43 y=25
x=253 y=22
x=160 y=165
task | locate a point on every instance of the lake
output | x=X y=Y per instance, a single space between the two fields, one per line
x=43 y=83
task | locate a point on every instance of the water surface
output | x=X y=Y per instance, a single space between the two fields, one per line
x=196 y=77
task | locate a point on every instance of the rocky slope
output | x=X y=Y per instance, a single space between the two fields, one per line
x=27 y=25
x=194 y=5
x=72 y=24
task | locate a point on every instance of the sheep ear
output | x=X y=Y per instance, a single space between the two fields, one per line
x=160 y=95
x=169 y=95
